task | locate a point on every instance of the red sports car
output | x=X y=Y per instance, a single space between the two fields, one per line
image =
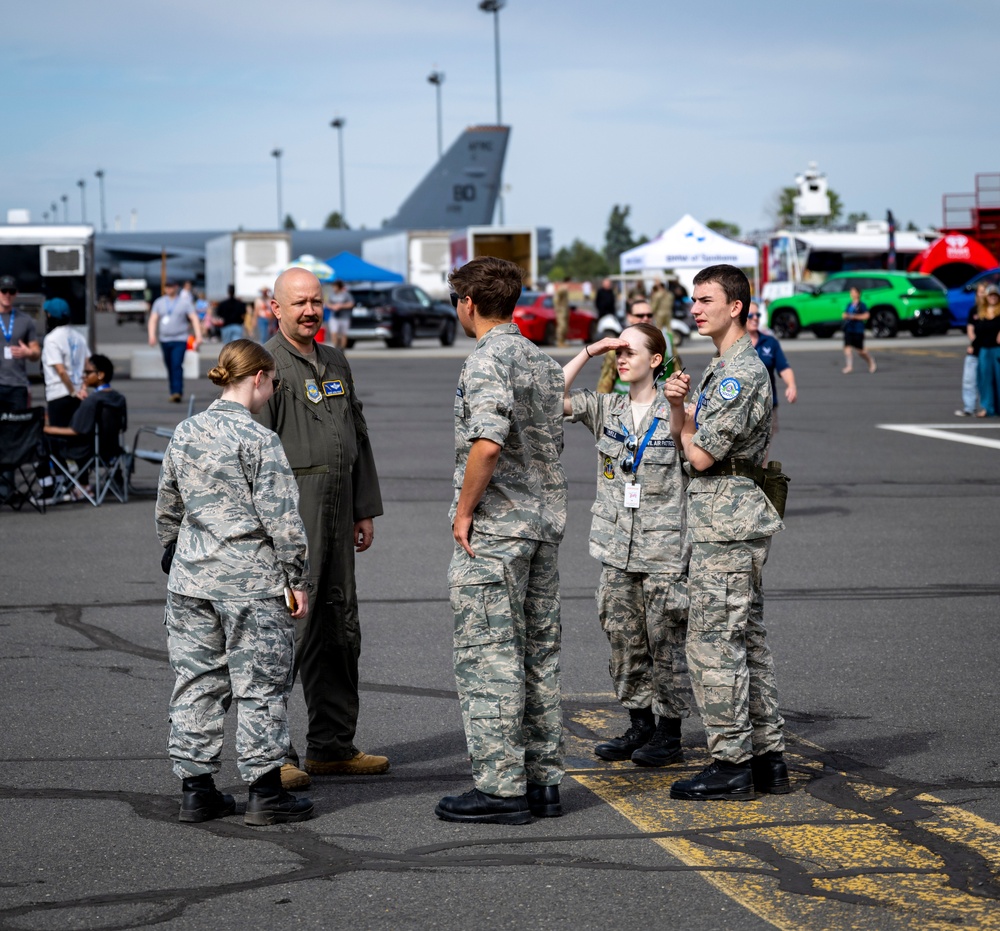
x=536 y=319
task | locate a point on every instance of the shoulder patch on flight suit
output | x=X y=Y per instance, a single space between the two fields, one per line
x=333 y=388
x=729 y=388
x=312 y=391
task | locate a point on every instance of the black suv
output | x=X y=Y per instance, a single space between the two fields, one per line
x=398 y=313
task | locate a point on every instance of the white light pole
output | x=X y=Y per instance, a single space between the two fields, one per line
x=494 y=7
x=65 y=202
x=82 y=185
x=276 y=155
x=338 y=124
x=437 y=79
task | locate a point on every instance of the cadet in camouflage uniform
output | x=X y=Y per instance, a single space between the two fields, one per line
x=724 y=439
x=228 y=503
x=638 y=312
x=317 y=414
x=642 y=595
x=508 y=518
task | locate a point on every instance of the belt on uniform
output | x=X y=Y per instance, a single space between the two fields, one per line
x=739 y=467
x=771 y=480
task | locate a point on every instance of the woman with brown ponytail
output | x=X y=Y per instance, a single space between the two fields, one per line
x=228 y=501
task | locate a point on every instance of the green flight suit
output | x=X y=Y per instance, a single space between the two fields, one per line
x=318 y=416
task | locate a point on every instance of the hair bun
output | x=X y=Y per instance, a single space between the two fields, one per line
x=219 y=375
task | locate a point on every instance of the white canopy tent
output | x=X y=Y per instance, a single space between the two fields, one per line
x=689 y=244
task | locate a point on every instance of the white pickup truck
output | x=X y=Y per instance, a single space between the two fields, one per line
x=131 y=300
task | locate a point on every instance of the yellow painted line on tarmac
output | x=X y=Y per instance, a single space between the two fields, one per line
x=841 y=851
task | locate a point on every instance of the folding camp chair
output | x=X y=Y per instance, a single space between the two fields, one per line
x=150 y=445
x=104 y=454
x=20 y=451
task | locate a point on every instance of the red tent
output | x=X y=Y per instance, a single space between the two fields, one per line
x=954 y=258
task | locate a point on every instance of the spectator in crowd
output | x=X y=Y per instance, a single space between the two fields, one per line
x=339 y=306
x=970 y=366
x=771 y=354
x=232 y=312
x=855 y=317
x=987 y=341
x=171 y=316
x=64 y=355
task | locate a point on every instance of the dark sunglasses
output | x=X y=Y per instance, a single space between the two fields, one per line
x=753 y=316
x=642 y=316
x=631 y=445
x=8 y=290
x=454 y=299
x=276 y=383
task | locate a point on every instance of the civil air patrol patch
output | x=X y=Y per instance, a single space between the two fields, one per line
x=332 y=388
x=312 y=391
x=729 y=388
x=609 y=467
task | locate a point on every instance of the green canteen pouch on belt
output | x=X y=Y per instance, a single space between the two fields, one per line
x=772 y=481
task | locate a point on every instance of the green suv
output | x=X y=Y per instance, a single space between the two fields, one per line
x=918 y=303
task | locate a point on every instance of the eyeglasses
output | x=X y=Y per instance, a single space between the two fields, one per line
x=455 y=299
x=8 y=290
x=90 y=371
x=631 y=445
x=753 y=316
x=276 y=383
x=642 y=316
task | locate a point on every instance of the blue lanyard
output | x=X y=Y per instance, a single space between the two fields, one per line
x=643 y=444
x=8 y=331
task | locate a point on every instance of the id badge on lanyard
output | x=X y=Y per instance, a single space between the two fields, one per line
x=633 y=491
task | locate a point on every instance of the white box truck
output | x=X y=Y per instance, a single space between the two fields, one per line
x=249 y=261
x=51 y=261
x=516 y=245
x=420 y=256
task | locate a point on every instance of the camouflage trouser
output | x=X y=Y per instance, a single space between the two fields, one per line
x=645 y=618
x=507 y=638
x=732 y=673
x=220 y=650
x=562 y=325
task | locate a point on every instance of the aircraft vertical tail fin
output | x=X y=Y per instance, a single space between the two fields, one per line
x=462 y=188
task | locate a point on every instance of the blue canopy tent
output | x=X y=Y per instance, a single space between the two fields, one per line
x=348 y=267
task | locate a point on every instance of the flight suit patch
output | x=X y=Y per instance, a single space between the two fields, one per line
x=333 y=388
x=609 y=467
x=312 y=391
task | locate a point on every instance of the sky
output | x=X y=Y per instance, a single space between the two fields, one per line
x=705 y=108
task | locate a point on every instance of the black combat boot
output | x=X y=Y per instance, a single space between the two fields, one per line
x=621 y=748
x=770 y=773
x=268 y=803
x=664 y=747
x=543 y=801
x=201 y=801
x=721 y=781
x=482 y=808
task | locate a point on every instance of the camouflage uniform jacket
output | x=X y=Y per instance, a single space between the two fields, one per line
x=510 y=392
x=228 y=498
x=650 y=538
x=733 y=420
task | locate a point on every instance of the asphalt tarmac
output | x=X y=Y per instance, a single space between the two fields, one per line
x=881 y=608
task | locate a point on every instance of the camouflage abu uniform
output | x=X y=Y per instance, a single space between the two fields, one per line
x=731 y=522
x=227 y=497
x=506 y=600
x=642 y=595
